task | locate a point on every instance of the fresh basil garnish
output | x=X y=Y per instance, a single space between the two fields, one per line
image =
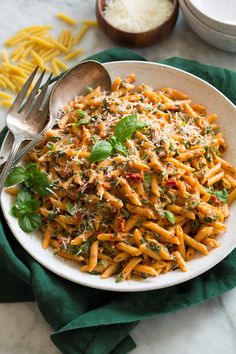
x=30 y=222
x=25 y=210
x=118 y=145
x=101 y=151
x=125 y=128
x=141 y=125
x=24 y=203
x=33 y=179
x=17 y=175
x=36 y=180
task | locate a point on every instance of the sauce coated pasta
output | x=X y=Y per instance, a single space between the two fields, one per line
x=139 y=185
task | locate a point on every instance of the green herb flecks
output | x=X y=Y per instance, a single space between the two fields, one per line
x=221 y=195
x=80 y=113
x=169 y=216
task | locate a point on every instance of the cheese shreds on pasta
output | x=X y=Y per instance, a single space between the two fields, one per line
x=139 y=185
x=35 y=45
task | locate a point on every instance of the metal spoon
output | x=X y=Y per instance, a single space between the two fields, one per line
x=74 y=82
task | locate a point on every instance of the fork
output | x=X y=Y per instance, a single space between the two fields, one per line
x=26 y=120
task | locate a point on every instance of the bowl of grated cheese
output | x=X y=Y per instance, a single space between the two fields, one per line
x=137 y=23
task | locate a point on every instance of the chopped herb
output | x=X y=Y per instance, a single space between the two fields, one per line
x=50 y=146
x=82 y=250
x=125 y=213
x=119 y=277
x=82 y=121
x=195 y=224
x=209 y=219
x=51 y=216
x=208 y=154
x=71 y=208
x=80 y=113
x=220 y=195
x=169 y=216
x=154 y=247
x=192 y=204
x=147 y=181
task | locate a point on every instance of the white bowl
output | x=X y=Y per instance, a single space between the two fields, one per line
x=218 y=14
x=217 y=39
x=156 y=75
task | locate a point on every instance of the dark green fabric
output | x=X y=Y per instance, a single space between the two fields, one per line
x=92 y=321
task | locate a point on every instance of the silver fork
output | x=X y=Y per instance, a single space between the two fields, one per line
x=26 y=120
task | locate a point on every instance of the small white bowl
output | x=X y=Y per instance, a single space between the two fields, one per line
x=218 y=14
x=217 y=39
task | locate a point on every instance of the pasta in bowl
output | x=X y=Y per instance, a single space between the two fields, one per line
x=138 y=184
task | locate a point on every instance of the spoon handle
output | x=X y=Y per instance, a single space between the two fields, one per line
x=8 y=164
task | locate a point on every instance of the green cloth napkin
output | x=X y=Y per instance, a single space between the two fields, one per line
x=91 y=321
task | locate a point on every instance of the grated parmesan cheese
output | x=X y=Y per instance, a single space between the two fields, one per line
x=137 y=15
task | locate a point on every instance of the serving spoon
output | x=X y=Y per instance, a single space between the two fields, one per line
x=74 y=82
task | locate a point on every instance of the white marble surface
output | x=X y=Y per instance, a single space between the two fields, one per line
x=207 y=328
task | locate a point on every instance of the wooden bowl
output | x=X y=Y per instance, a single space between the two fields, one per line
x=140 y=39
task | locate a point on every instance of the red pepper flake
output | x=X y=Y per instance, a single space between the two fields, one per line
x=215 y=200
x=78 y=216
x=121 y=224
x=136 y=177
x=59 y=241
x=171 y=183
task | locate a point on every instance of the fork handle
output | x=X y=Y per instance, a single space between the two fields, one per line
x=8 y=164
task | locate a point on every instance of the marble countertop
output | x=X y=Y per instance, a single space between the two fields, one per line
x=207 y=328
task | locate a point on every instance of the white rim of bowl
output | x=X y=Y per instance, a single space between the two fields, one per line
x=227 y=28
x=206 y=27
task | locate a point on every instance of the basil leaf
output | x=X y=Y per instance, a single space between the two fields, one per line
x=82 y=121
x=121 y=148
x=36 y=180
x=17 y=175
x=118 y=145
x=71 y=208
x=141 y=125
x=101 y=151
x=169 y=216
x=30 y=222
x=126 y=127
x=24 y=204
x=80 y=113
x=222 y=195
